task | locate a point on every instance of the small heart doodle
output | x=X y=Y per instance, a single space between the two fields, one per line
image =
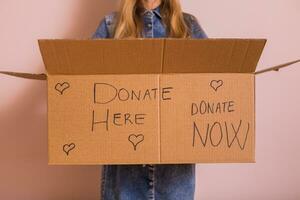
x=68 y=147
x=216 y=84
x=135 y=139
x=61 y=87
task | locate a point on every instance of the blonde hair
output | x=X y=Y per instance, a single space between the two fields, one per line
x=129 y=21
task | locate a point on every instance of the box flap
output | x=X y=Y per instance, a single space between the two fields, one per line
x=144 y=56
x=25 y=75
x=103 y=56
x=212 y=55
x=277 y=67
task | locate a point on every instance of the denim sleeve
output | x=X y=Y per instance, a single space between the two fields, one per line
x=197 y=30
x=101 y=31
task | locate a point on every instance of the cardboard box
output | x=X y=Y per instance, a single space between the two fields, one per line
x=147 y=101
x=151 y=101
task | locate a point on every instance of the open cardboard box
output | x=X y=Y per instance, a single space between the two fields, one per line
x=146 y=101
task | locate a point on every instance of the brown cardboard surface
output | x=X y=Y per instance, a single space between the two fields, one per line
x=91 y=120
x=212 y=55
x=87 y=118
x=209 y=119
x=132 y=101
x=106 y=56
x=143 y=56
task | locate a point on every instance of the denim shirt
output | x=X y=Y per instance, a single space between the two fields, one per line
x=160 y=182
x=153 y=25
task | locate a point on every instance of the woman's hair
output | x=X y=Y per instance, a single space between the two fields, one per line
x=129 y=21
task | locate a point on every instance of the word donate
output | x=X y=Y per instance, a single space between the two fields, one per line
x=105 y=93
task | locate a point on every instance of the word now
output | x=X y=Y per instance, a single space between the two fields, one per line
x=217 y=132
x=105 y=93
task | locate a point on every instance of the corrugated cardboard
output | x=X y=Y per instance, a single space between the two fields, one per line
x=151 y=100
x=146 y=101
x=210 y=119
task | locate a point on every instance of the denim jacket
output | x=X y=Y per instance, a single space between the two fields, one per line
x=153 y=26
x=160 y=182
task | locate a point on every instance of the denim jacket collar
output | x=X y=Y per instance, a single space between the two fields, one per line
x=107 y=26
x=155 y=11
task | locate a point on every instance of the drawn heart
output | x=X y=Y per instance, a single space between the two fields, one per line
x=136 y=139
x=61 y=87
x=216 y=84
x=68 y=147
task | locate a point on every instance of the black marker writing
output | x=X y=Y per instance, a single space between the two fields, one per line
x=135 y=140
x=105 y=121
x=116 y=119
x=68 y=147
x=215 y=133
x=105 y=93
x=61 y=87
x=216 y=84
x=205 y=107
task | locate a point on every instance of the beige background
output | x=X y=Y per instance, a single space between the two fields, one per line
x=23 y=146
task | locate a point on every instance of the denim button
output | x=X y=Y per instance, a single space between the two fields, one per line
x=149 y=25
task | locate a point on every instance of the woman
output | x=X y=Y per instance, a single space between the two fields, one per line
x=149 y=19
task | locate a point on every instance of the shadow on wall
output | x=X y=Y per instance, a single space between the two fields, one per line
x=25 y=173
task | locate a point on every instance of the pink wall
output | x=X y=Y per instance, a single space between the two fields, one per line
x=23 y=147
